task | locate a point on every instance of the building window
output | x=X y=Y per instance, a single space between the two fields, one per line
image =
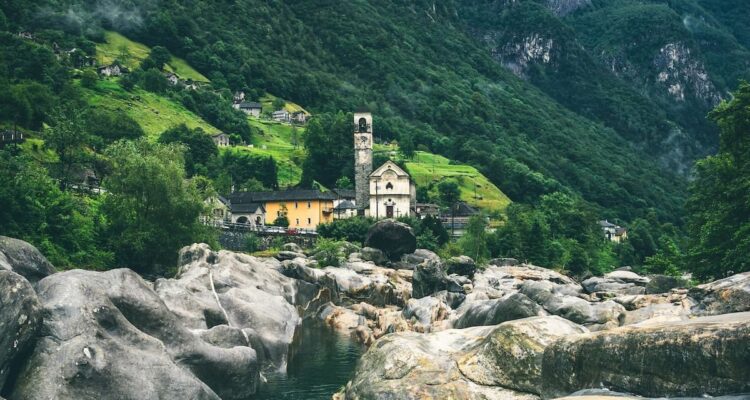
x=389 y=185
x=309 y=204
x=297 y=221
x=309 y=221
x=278 y=213
x=296 y=205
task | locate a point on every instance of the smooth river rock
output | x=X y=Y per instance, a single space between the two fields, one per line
x=20 y=320
x=107 y=335
x=489 y=362
x=24 y=259
x=726 y=295
x=707 y=355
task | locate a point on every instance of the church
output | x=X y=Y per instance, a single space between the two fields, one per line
x=386 y=192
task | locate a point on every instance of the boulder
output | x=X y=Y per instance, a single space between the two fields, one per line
x=109 y=334
x=392 y=237
x=726 y=295
x=246 y=292
x=374 y=255
x=492 y=312
x=24 y=259
x=707 y=355
x=410 y=261
x=288 y=255
x=489 y=362
x=429 y=277
x=511 y=356
x=293 y=247
x=611 y=287
x=426 y=312
x=664 y=283
x=20 y=320
x=461 y=265
x=563 y=300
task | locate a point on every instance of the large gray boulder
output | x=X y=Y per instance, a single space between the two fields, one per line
x=375 y=255
x=489 y=362
x=24 y=259
x=392 y=237
x=429 y=277
x=707 y=355
x=492 y=312
x=664 y=283
x=242 y=291
x=20 y=320
x=461 y=265
x=618 y=282
x=107 y=335
x=726 y=295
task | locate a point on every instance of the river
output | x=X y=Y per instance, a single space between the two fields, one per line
x=323 y=362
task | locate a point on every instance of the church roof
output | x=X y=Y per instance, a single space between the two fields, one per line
x=389 y=165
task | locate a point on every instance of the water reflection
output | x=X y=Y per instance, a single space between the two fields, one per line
x=323 y=362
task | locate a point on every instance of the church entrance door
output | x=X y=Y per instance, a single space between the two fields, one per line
x=389 y=211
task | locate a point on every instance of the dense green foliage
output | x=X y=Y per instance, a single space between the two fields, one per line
x=151 y=210
x=719 y=205
x=415 y=67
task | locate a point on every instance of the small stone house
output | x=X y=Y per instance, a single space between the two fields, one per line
x=249 y=108
x=613 y=232
x=281 y=116
x=299 y=117
x=110 y=70
x=173 y=79
x=221 y=139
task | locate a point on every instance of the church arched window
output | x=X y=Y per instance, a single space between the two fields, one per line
x=389 y=185
x=363 y=125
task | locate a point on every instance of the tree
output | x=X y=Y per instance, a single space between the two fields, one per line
x=278 y=103
x=68 y=137
x=89 y=78
x=151 y=209
x=110 y=126
x=719 y=202
x=330 y=149
x=474 y=241
x=406 y=145
x=449 y=192
x=158 y=56
x=64 y=227
x=201 y=149
x=295 y=137
x=153 y=81
x=344 y=183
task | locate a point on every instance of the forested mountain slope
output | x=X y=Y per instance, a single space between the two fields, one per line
x=427 y=79
x=650 y=70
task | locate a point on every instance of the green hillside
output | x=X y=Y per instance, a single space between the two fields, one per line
x=476 y=189
x=153 y=112
x=131 y=53
x=275 y=139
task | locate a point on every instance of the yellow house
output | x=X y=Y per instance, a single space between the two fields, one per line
x=304 y=208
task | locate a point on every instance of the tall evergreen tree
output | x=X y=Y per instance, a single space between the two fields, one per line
x=719 y=203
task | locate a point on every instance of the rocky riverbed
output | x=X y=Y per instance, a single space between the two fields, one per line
x=435 y=328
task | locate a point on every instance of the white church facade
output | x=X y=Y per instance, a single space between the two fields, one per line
x=387 y=192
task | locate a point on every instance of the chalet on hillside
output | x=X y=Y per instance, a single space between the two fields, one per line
x=298 y=117
x=221 y=139
x=281 y=116
x=173 y=79
x=249 y=108
x=111 y=70
x=238 y=97
x=613 y=232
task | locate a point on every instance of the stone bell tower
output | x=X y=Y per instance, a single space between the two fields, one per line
x=362 y=159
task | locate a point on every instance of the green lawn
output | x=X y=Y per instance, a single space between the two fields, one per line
x=267 y=104
x=154 y=113
x=476 y=189
x=136 y=52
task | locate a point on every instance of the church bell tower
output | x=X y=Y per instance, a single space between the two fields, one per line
x=362 y=159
